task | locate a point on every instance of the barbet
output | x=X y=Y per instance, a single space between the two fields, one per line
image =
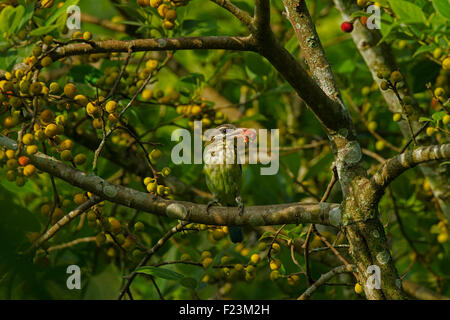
x=222 y=170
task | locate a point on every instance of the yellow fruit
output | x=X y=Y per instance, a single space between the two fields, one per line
x=274 y=275
x=446 y=64
x=152 y=187
x=155 y=3
x=207 y=262
x=10 y=154
x=29 y=170
x=51 y=130
x=442 y=237
x=170 y=15
x=439 y=92
x=111 y=106
x=65 y=145
x=81 y=100
x=379 y=145
x=147 y=94
x=437 y=53
x=275 y=264
x=46 y=3
x=70 y=90
x=397 y=117
x=97 y=123
x=430 y=131
x=92 y=109
x=275 y=248
x=47 y=116
x=372 y=126
x=87 y=35
x=165 y=171
x=205 y=254
x=79 y=198
x=358 y=288
x=32 y=149
x=255 y=258
x=151 y=65
x=115 y=225
x=162 y=9
x=155 y=154
x=10 y=122
x=446 y=119
x=168 y=24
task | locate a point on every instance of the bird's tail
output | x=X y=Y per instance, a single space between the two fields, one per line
x=236 y=234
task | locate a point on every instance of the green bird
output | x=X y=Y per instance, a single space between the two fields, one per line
x=223 y=172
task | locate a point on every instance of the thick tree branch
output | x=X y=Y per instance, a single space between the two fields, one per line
x=295 y=213
x=262 y=19
x=311 y=46
x=394 y=167
x=162 y=44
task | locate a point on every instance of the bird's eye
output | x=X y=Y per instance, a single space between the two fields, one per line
x=223 y=130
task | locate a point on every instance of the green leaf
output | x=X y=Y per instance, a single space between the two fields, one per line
x=43 y=30
x=423 y=49
x=5 y=19
x=189 y=282
x=437 y=116
x=160 y=273
x=442 y=7
x=60 y=11
x=18 y=14
x=425 y=119
x=408 y=12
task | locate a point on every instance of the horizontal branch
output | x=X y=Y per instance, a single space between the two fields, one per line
x=395 y=166
x=294 y=213
x=162 y=44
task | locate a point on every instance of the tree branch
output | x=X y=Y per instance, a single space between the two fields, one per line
x=162 y=44
x=295 y=213
x=242 y=15
x=395 y=166
x=324 y=278
x=262 y=19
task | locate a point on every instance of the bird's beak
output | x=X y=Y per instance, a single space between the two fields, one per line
x=244 y=133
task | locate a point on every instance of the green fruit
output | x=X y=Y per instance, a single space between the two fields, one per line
x=139 y=226
x=66 y=155
x=79 y=159
x=46 y=62
x=384 y=85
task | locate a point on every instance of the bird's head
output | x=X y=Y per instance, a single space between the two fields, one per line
x=229 y=132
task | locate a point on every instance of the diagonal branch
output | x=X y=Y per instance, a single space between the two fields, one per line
x=324 y=278
x=242 y=15
x=395 y=166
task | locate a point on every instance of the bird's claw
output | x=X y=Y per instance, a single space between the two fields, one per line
x=240 y=205
x=210 y=204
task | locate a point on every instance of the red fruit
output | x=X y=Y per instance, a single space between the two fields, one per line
x=23 y=161
x=347 y=26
